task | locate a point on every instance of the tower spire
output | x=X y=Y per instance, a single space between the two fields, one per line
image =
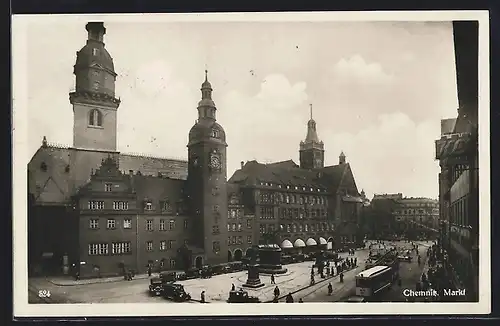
x=206 y=107
x=311 y=110
x=311 y=149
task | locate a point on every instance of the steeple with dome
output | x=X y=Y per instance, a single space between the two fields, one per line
x=207 y=176
x=94 y=102
x=312 y=152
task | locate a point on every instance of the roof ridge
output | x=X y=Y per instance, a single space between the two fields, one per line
x=136 y=154
x=57 y=145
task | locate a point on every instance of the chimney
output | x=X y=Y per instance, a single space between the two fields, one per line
x=242 y=164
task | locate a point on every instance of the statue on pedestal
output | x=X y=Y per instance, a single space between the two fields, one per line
x=253 y=280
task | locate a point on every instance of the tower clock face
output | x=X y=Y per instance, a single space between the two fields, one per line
x=215 y=162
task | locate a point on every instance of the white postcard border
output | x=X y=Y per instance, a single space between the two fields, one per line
x=21 y=159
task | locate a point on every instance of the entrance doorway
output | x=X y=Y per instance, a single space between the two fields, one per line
x=238 y=254
x=198 y=262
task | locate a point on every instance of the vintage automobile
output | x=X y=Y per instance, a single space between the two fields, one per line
x=236 y=266
x=156 y=286
x=168 y=276
x=175 y=292
x=241 y=296
x=206 y=272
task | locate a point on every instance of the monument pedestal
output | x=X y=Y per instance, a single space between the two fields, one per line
x=253 y=280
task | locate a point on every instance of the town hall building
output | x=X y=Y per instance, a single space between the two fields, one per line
x=99 y=211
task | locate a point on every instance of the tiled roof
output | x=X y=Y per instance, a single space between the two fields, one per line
x=156 y=188
x=54 y=174
x=288 y=173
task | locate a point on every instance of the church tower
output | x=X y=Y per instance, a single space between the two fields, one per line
x=94 y=103
x=207 y=174
x=312 y=152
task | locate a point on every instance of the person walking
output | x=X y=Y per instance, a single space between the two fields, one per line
x=341 y=277
x=202 y=296
x=355 y=261
x=233 y=288
x=273 y=281
x=330 y=288
x=289 y=298
x=301 y=301
x=276 y=292
x=150 y=271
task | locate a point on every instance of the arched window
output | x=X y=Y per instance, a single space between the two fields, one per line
x=95 y=118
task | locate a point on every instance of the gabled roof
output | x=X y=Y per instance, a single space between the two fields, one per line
x=54 y=174
x=289 y=173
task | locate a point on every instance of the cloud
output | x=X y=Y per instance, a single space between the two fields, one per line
x=270 y=116
x=356 y=70
x=393 y=155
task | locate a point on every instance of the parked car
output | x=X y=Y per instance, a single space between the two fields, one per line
x=175 y=292
x=241 y=296
x=156 y=286
x=168 y=276
x=285 y=259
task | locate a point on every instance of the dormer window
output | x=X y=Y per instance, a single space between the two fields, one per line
x=279 y=186
x=95 y=52
x=108 y=187
x=215 y=133
x=148 y=206
x=304 y=188
x=287 y=187
x=166 y=206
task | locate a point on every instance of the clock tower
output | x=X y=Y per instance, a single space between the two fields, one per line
x=207 y=174
x=94 y=103
x=312 y=151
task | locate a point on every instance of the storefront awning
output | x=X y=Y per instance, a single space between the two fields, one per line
x=299 y=243
x=322 y=241
x=311 y=242
x=286 y=244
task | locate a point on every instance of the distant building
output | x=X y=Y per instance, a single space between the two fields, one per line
x=395 y=215
x=457 y=152
x=95 y=210
x=417 y=217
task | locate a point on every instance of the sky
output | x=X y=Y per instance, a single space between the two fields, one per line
x=378 y=90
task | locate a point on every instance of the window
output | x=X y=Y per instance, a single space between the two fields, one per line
x=249 y=239
x=98 y=249
x=262 y=228
x=149 y=246
x=171 y=224
x=166 y=206
x=214 y=133
x=148 y=206
x=216 y=247
x=306 y=227
x=162 y=225
x=233 y=214
x=170 y=244
x=120 y=205
x=120 y=248
x=94 y=223
x=239 y=227
x=215 y=229
x=186 y=224
x=172 y=263
x=95 y=118
x=95 y=51
x=96 y=204
x=240 y=240
x=228 y=227
x=163 y=245
x=111 y=223
x=249 y=224
x=287 y=199
x=186 y=242
x=234 y=227
x=216 y=208
x=149 y=225
x=107 y=187
x=127 y=223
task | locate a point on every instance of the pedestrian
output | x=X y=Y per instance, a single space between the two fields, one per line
x=149 y=271
x=289 y=298
x=202 y=296
x=272 y=279
x=355 y=261
x=330 y=288
x=275 y=300
x=301 y=301
x=276 y=292
x=341 y=277
x=312 y=280
x=233 y=288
